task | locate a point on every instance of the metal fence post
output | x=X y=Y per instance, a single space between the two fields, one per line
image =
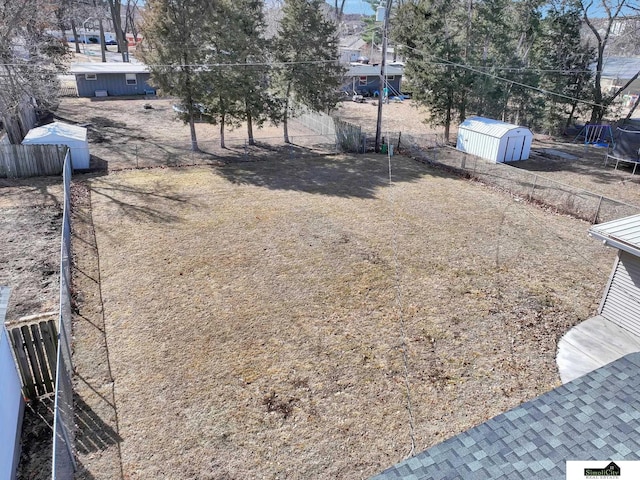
x=595 y=218
x=533 y=187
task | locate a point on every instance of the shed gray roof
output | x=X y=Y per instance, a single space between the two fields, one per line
x=490 y=126
x=595 y=417
x=623 y=233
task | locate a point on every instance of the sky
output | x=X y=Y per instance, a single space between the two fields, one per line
x=356 y=6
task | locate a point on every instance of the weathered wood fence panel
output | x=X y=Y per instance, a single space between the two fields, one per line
x=31 y=160
x=35 y=347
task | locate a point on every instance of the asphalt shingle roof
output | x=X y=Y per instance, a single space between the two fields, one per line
x=595 y=417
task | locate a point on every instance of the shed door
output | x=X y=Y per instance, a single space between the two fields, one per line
x=621 y=302
x=514 y=149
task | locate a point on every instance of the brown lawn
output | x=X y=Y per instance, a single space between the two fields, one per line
x=276 y=319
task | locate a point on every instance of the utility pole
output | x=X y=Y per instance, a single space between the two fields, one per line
x=383 y=79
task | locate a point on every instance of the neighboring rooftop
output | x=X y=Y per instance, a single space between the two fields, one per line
x=112 y=67
x=623 y=233
x=620 y=67
x=596 y=416
x=357 y=70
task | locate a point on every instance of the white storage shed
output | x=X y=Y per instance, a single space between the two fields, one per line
x=58 y=133
x=494 y=140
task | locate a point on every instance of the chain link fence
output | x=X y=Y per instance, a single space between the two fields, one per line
x=64 y=463
x=536 y=188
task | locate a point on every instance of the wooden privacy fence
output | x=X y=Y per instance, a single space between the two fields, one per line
x=31 y=160
x=35 y=347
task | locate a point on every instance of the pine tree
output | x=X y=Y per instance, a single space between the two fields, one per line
x=564 y=60
x=307 y=54
x=174 y=32
x=238 y=89
x=433 y=49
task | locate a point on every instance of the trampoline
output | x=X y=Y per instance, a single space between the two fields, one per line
x=626 y=148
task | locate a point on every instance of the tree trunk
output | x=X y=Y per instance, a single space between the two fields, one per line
x=103 y=47
x=285 y=118
x=574 y=105
x=123 y=46
x=250 y=128
x=192 y=129
x=222 y=119
x=74 y=29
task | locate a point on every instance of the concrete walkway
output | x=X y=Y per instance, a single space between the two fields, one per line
x=591 y=345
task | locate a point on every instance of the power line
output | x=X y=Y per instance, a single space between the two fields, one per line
x=507 y=80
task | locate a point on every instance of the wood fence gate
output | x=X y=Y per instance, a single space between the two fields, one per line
x=35 y=346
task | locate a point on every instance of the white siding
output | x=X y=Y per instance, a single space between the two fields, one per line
x=621 y=302
x=494 y=140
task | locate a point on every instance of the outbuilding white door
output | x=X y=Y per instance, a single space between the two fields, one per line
x=621 y=302
x=513 y=152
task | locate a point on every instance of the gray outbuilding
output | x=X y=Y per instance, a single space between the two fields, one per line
x=111 y=79
x=494 y=140
x=621 y=300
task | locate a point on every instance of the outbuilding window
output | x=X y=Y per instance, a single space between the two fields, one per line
x=391 y=77
x=131 y=79
x=363 y=81
x=90 y=76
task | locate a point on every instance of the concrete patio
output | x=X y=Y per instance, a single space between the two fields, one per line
x=591 y=345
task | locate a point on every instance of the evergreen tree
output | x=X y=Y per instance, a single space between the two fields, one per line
x=433 y=51
x=239 y=91
x=307 y=56
x=175 y=32
x=564 y=60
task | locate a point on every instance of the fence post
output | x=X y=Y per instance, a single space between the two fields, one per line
x=595 y=218
x=399 y=136
x=533 y=187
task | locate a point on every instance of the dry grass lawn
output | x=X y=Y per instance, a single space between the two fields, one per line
x=258 y=315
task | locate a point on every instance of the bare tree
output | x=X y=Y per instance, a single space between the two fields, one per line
x=115 y=7
x=29 y=62
x=602 y=32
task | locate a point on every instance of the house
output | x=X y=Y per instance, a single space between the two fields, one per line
x=617 y=71
x=365 y=80
x=351 y=48
x=111 y=79
x=621 y=300
x=595 y=416
x=11 y=399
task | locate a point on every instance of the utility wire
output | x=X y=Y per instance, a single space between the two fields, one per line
x=507 y=80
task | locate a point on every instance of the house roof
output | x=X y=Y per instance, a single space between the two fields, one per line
x=623 y=233
x=488 y=126
x=361 y=70
x=352 y=42
x=56 y=130
x=596 y=416
x=113 y=67
x=622 y=68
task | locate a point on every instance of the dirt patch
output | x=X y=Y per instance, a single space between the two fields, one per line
x=30 y=254
x=37 y=440
x=256 y=314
